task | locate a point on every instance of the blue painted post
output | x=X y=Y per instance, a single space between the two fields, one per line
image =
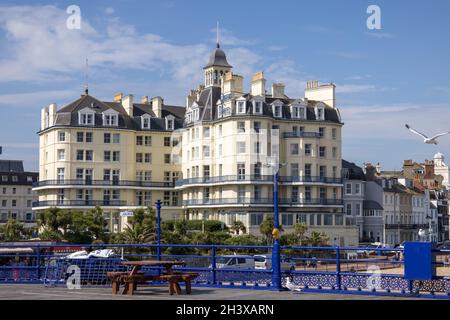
x=276 y=265
x=338 y=268
x=38 y=262
x=213 y=264
x=158 y=228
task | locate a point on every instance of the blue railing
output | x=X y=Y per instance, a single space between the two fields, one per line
x=321 y=269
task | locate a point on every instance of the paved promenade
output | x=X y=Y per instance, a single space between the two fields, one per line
x=40 y=292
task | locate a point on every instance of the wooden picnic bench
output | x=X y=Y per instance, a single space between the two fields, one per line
x=132 y=278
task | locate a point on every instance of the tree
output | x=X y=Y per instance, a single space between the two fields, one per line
x=141 y=229
x=12 y=230
x=317 y=239
x=237 y=227
x=266 y=228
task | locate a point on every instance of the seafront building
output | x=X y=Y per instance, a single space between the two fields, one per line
x=16 y=194
x=211 y=159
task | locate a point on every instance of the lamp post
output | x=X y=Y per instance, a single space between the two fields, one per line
x=158 y=229
x=276 y=250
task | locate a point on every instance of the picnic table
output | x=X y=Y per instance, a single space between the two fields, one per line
x=132 y=278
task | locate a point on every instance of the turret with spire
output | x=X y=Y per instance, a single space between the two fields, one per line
x=217 y=65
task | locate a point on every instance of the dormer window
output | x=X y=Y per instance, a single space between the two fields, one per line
x=276 y=109
x=257 y=107
x=110 y=118
x=240 y=109
x=86 y=117
x=320 y=112
x=145 y=121
x=298 y=112
x=170 y=123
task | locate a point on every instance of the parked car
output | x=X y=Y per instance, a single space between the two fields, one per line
x=265 y=262
x=234 y=262
x=367 y=249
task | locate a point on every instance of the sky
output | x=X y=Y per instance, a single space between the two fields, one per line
x=384 y=78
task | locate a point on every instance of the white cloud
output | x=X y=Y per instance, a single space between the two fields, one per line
x=354 y=88
x=39 y=98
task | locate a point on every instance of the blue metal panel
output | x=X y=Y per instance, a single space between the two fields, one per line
x=419 y=261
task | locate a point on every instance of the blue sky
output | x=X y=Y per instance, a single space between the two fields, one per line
x=385 y=78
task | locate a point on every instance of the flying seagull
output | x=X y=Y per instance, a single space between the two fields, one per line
x=432 y=140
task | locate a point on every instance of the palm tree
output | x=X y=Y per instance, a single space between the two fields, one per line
x=13 y=230
x=237 y=227
x=299 y=232
x=266 y=228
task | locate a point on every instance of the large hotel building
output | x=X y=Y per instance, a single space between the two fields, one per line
x=212 y=159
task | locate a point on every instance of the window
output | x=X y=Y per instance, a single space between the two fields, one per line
x=322 y=172
x=61 y=136
x=170 y=124
x=334 y=133
x=80 y=155
x=4 y=203
x=320 y=113
x=348 y=209
x=257 y=147
x=294 y=170
x=166 y=141
x=256 y=219
x=148 y=158
x=307 y=170
x=277 y=111
x=294 y=195
x=139 y=140
x=322 y=152
x=241 y=171
x=206 y=132
x=14 y=190
x=241 y=127
x=89 y=155
x=166 y=201
x=89 y=137
x=287 y=219
x=257 y=192
x=14 y=203
x=145 y=122
x=107 y=156
x=348 y=188
x=257 y=107
x=358 y=188
x=167 y=158
x=15 y=178
x=116 y=138
x=298 y=112
x=107 y=138
x=307 y=193
x=241 y=193
x=294 y=149
x=139 y=157
x=257 y=126
x=4 y=178
x=358 y=209
x=60 y=174
x=321 y=132
x=334 y=152
x=116 y=156
x=86 y=118
x=206 y=152
x=307 y=149
x=241 y=107
x=328 y=219
x=240 y=147
x=110 y=120
x=61 y=154
x=322 y=193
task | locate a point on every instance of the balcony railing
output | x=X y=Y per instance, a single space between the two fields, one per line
x=257 y=178
x=262 y=201
x=302 y=134
x=79 y=203
x=406 y=226
x=105 y=183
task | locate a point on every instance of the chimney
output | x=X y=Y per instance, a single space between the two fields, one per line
x=157 y=104
x=118 y=97
x=233 y=83
x=191 y=98
x=325 y=93
x=127 y=103
x=144 y=100
x=259 y=84
x=51 y=114
x=278 y=90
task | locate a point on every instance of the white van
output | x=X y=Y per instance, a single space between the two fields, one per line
x=234 y=262
x=265 y=262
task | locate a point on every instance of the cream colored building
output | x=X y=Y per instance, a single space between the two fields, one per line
x=441 y=168
x=116 y=155
x=231 y=137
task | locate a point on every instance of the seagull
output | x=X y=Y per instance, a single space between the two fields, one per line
x=427 y=140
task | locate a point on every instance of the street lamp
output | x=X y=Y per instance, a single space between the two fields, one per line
x=158 y=229
x=276 y=250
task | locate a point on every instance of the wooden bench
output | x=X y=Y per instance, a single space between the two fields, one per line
x=130 y=281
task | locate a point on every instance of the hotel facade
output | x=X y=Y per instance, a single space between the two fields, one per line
x=214 y=158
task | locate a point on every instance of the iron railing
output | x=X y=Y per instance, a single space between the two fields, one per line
x=263 y=201
x=105 y=183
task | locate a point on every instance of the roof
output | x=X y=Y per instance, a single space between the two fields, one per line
x=11 y=166
x=218 y=59
x=353 y=171
x=209 y=97
x=372 y=205
x=68 y=115
x=22 y=178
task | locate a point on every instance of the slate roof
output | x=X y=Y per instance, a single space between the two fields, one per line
x=11 y=166
x=218 y=59
x=372 y=205
x=354 y=172
x=68 y=115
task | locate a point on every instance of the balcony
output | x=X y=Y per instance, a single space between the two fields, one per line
x=266 y=179
x=302 y=134
x=263 y=201
x=405 y=226
x=79 y=203
x=103 y=183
